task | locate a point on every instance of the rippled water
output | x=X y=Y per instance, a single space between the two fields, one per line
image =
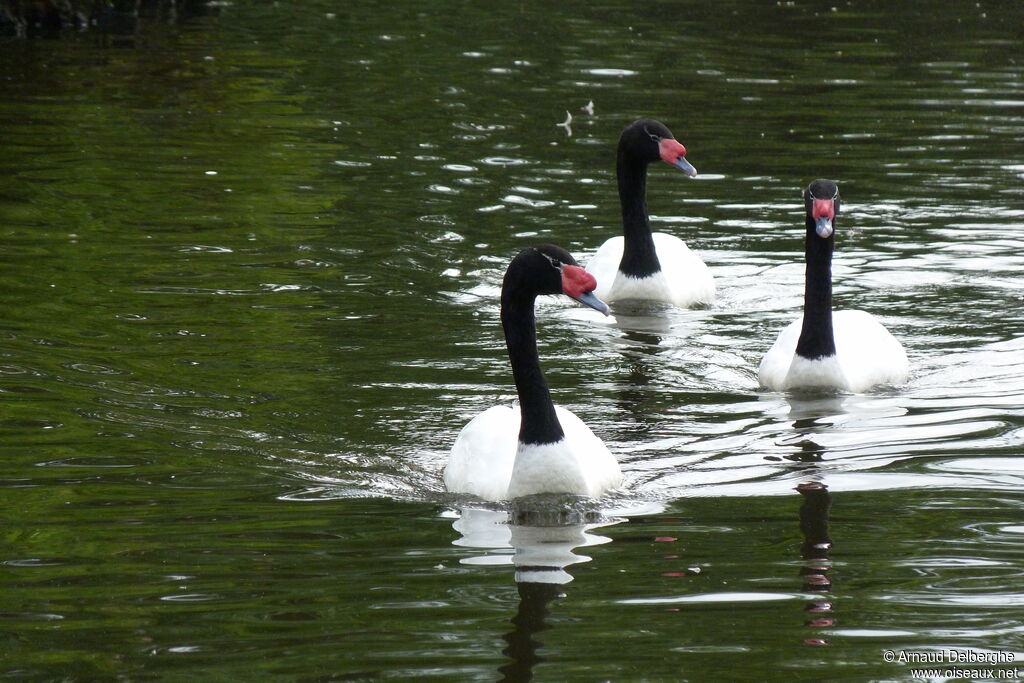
x=250 y=266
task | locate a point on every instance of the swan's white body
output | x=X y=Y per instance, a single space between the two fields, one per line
x=489 y=462
x=684 y=279
x=867 y=355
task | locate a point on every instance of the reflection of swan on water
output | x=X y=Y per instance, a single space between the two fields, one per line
x=810 y=412
x=539 y=543
x=819 y=424
x=534 y=599
x=814 y=551
x=811 y=415
x=644 y=317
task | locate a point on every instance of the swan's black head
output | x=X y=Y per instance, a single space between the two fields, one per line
x=549 y=269
x=648 y=140
x=821 y=201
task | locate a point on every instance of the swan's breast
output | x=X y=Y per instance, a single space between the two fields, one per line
x=580 y=463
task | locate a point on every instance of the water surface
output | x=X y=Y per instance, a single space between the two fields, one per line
x=250 y=265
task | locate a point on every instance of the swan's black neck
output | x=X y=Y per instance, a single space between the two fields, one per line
x=539 y=423
x=816 y=337
x=639 y=259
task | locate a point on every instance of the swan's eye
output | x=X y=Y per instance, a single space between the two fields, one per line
x=555 y=263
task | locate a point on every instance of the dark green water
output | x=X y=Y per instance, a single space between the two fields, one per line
x=248 y=274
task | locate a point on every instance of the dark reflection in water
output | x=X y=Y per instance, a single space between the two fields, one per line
x=543 y=539
x=117 y=23
x=643 y=341
x=814 y=551
x=523 y=646
x=809 y=414
x=810 y=451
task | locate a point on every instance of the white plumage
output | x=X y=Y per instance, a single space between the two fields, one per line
x=488 y=461
x=684 y=280
x=866 y=355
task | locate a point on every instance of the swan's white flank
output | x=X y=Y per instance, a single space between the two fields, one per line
x=489 y=462
x=866 y=355
x=684 y=280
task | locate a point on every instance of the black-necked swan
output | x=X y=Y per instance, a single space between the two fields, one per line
x=845 y=350
x=507 y=452
x=640 y=264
